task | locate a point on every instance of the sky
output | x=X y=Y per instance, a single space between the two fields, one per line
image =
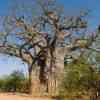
x=92 y=5
x=8 y=64
x=4 y=5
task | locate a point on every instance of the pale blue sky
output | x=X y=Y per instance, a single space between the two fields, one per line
x=7 y=65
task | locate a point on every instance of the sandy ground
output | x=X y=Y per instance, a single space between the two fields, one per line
x=6 y=96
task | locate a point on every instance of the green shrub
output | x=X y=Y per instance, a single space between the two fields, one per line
x=78 y=78
x=15 y=82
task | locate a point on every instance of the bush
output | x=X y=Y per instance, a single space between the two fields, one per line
x=2 y=82
x=78 y=78
x=15 y=82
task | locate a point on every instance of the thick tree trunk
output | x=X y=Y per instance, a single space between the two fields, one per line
x=56 y=76
x=54 y=79
x=35 y=86
x=59 y=67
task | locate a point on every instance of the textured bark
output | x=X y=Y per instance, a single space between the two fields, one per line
x=56 y=76
x=35 y=86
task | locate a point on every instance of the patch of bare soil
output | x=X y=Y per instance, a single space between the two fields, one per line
x=9 y=96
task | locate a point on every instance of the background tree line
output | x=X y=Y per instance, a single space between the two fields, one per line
x=15 y=82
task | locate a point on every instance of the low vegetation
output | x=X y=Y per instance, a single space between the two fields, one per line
x=15 y=82
x=81 y=81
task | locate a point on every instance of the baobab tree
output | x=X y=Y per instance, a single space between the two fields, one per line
x=43 y=44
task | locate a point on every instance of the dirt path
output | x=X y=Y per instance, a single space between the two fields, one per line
x=5 y=96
